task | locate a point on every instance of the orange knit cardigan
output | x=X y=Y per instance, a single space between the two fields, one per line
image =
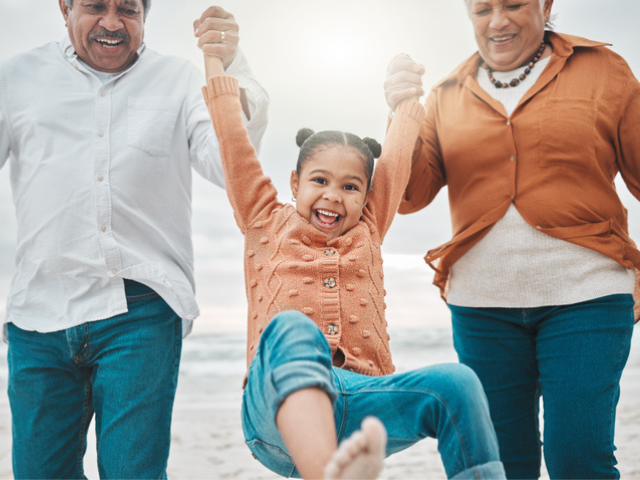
x=290 y=265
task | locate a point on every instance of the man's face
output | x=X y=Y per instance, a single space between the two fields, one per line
x=106 y=34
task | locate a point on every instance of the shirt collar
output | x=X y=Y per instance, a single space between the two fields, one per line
x=563 y=46
x=72 y=57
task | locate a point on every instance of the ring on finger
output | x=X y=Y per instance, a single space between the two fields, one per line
x=222 y=37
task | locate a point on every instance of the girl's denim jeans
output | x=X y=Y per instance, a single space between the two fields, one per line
x=572 y=356
x=125 y=369
x=443 y=401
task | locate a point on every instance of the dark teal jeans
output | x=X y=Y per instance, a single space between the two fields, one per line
x=445 y=402
x=572 y=356
x=124 y=369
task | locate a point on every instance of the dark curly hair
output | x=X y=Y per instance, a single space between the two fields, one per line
x=310 y=142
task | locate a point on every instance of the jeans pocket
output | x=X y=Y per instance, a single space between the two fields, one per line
x=271 y=457
x=151 y=123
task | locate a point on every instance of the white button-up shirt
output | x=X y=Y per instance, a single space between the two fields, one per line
x=101 y=180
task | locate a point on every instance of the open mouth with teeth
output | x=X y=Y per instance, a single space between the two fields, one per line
x=326 y=218
x=502 y=39
x=109 y=43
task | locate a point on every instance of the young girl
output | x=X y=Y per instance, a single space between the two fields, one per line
x=318 y=351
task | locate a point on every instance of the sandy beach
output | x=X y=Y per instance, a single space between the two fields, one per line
x=207 y=439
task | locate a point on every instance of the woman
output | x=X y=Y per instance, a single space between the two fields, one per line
x=528 y=135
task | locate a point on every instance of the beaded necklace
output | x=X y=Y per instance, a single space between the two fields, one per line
x=516 y=81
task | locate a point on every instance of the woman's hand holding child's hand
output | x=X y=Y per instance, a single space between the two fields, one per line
x=404 y=80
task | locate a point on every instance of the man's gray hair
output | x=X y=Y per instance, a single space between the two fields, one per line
x=146 y=5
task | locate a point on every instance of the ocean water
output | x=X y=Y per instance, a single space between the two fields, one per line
x=223 y=355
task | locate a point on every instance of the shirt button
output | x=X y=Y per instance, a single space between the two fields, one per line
x=329 y=282
x=101 y=93
x=512 y=158
x=329 y=252
x=114 y=271
x=100 y=178
x=103 y=228
x=101 y=134
x=332 y=329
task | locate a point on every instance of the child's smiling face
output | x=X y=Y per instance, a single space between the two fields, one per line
x=331 y=190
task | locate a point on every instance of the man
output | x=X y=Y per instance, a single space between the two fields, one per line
x=101 y=133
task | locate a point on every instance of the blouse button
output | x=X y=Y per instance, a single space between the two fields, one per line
x=329 y=252
x=512 y=158
x=332 y=329
x=329 y=282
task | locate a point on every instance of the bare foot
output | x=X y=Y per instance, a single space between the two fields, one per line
x=361 y=456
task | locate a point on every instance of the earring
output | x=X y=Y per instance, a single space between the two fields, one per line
x=293 y=199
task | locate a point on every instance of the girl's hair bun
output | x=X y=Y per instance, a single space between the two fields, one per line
x=302 y=135
x=374 y=146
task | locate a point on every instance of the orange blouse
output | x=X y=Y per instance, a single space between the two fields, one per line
x=555 y=158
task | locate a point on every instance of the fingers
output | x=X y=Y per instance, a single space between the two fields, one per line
x=404 y=80
x=203 y=25
x=218 y=34
x=218 y=37
x=215 y=11
x=402 y=61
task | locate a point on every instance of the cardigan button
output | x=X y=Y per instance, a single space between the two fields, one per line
x=329 y=252
x=512 y=158
x=332 y=329
x=329 y=282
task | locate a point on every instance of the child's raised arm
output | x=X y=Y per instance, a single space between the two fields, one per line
x=394 y=165
x=250 y=191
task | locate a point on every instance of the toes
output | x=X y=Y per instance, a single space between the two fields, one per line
x=376 y=435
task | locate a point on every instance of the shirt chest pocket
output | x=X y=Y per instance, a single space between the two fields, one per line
x=568 y=133
x=151 y=124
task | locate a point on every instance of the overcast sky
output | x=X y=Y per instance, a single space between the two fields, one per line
x=323 y=64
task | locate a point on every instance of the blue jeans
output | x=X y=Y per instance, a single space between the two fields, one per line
x=124 y=369
x=572 y=355
x=444 y=402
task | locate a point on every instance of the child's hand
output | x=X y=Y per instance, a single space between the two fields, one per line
x=404 y=80
x=217 y=33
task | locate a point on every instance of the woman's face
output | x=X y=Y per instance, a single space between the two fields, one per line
x=508 y=32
